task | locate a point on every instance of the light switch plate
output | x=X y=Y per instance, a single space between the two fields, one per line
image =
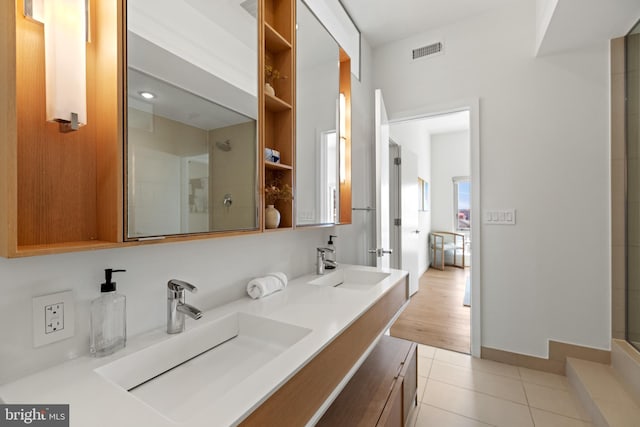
x=53 y=318
x=499 y=216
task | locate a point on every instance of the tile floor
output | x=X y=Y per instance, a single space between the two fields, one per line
x=456 y=390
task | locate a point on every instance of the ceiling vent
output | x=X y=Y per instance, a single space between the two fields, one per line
x=429 y=50
x=251 y=6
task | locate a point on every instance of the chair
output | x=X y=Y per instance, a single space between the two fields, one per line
x=446 y=245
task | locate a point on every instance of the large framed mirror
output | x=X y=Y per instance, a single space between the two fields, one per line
x=317 y=123
x=191 y=116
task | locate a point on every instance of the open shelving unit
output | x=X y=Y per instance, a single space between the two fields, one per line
x=277 y=112
x=59 y=192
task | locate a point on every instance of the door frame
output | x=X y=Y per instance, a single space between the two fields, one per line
x=473 y=106
x=395 y=203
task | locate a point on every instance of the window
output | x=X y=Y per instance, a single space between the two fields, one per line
x=424 y=202
x=462 y=202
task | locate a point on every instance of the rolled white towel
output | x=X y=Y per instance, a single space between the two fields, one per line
x=280 y=275
x=260 y=287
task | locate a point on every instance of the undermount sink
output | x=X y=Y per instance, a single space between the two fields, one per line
x=188 y=372
x=351 y=278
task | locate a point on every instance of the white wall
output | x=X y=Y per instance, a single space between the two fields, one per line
x=219 y=267
x=413 y=136
x=450 y=157
x=544 y=151
x=544 y=13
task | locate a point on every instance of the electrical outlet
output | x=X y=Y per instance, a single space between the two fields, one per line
x=53 y=318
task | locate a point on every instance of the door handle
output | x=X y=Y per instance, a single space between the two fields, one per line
x=380 y=252
x=417 y=231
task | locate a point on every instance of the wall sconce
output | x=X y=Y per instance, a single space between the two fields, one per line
x=65 y=37
x=342 y=119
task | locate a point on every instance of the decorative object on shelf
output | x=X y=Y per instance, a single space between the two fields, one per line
x=269 y=89
x=272 y=155
x=271 y=75
x=271 y=217
x=274 y=192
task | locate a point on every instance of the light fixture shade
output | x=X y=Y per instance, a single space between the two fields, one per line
x=65 y=60
x=342 y=114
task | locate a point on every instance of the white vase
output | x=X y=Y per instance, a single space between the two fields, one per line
x=269 y=89
x=271 y=217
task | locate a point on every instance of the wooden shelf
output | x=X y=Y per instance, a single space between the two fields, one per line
x=273 y=103
x=274 y=42
x=277 y=166
x=281 y=228
x=46 y=249
x=277 y=113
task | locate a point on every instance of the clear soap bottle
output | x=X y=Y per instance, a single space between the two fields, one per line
x=108 y=319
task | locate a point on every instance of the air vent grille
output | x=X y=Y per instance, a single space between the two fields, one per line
x=251 y=6
x=423 y=51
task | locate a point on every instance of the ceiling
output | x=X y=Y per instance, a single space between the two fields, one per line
x=177 y=104
x=315 y=46
x=384 y=21
x=432 y=125
x=579 y=23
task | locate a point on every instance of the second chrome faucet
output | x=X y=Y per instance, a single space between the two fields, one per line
x=176 y=306
x=322 y=261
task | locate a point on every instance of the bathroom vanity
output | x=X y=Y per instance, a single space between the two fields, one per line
x=280 y=360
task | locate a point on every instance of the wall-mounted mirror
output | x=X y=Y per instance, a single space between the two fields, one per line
x=191 y=117
x=317 y=130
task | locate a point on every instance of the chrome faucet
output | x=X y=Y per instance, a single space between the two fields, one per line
x=321 y=260
x=177 y=308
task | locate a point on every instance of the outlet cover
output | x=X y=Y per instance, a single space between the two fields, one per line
x=53 y=318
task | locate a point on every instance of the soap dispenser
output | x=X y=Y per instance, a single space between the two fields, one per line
x=331 y=255
x=108 y=319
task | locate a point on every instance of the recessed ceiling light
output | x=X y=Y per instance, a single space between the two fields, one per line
x=147 y=95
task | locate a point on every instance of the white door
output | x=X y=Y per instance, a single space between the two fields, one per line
x=409 y=220
x=382 y=248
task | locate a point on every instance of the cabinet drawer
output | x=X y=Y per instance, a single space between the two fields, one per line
x=382 y=392
x=409 y=376
x=392 y=414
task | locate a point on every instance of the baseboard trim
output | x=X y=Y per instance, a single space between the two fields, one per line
x=558 y=353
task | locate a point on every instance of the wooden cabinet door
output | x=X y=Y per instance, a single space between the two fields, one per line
x=410 y=381
x=392 y=415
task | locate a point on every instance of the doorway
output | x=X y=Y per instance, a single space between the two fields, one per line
x=440 y=183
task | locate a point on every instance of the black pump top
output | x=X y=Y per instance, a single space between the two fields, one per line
x=331 y=237
x=108 y=285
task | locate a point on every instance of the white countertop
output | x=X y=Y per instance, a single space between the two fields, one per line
x=96 y=401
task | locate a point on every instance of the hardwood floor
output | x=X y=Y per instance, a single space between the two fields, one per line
x=435 y=316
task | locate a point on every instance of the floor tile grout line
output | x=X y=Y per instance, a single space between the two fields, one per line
x=430 y=367
x=459 y=415
x=560 y=414
x=479 y=392
x=550 y=411
x=484 y=371
x=526 y=396
x=547 y=386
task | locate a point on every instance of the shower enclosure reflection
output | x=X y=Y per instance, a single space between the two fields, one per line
x=189 y=172
x=191 y=118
